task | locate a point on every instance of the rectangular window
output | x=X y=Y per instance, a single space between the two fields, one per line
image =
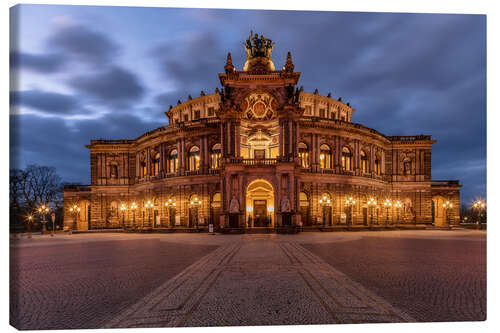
x=308 y=110
x=196 y=114
x=185 y=117
x=322 y=113
x=210 y=111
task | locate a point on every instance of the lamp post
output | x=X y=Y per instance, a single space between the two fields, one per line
x=249 y=219
x=42 y=211
x=350 y=202
x=123 y=209
x=30 y=221
x=324 y=202
x=387 y=204
x=195 y=204
x=170 y=206
x=133 y=206
x=270 y=210
x=479 y=205
x=398 y=206
x=148 y=205
x=74 y=211
x=372 y=204
x=447 y=206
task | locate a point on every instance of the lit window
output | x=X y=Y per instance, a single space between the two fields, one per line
x=346 y=159
x=325 y=157
x=364 y=162
x=215 y=156
x=194 y=159
x=377 y=165
x=303 y=155
x=172 y=161
x=142 y=168
x=156 y=164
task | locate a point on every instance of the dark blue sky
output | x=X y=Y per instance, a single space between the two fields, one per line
x=83 y=72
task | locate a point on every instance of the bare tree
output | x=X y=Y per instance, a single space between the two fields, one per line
x=31 y=187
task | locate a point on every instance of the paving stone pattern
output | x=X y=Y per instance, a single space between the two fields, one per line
x=151 y=280
x=82 y=285
x=432 y=280
x=257 y=281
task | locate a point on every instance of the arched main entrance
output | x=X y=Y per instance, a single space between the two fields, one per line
x=438 y=212
x=259 y=204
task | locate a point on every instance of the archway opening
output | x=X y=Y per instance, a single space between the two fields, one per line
x=259 y=204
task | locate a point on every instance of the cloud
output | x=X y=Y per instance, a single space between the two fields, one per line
x=113 y=86
x=41 y=63
x=48 y=102
x=84 y=44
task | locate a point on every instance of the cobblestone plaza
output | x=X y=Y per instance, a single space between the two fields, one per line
x=105 y=280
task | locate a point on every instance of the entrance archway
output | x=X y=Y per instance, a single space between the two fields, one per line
x=438 y=211
x=259 y=204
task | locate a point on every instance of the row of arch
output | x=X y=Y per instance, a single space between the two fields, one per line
x=326 y=158
x=192 y=161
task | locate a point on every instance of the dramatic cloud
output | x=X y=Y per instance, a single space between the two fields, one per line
x=405 y=74
x=41 y=63
x=84 y=44
x=48 y=102
x=115 y=85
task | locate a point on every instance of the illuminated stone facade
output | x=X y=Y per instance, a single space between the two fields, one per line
x=261 y=153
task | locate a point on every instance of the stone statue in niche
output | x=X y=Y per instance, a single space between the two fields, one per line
x=408 y=211
x=234 y=207
x=114 y=171
x=285 y=205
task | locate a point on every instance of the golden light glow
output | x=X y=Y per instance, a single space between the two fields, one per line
x=372 y=202
x=133 y=205
x=270 y=209
x=249 y=209
x=387 y=203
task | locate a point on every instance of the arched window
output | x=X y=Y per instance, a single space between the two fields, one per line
x=377 y=165
x=364 y=162
x=325 y=157
x=172 y=161
x=215 y=156
x=346 y=159
x=142 y=168
x=304 y=200
x=194 y=159
x=303 y=155
x=155 y=164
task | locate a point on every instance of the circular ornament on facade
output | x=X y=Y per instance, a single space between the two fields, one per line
x=259 y=106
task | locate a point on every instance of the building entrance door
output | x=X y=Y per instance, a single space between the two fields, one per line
x=260 y=213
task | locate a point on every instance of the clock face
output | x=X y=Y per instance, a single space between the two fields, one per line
x=259 y=106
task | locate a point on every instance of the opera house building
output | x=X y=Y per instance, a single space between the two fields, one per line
x=260 y=153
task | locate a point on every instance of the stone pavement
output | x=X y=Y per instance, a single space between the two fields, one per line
x=152 y=280
x=256 y=281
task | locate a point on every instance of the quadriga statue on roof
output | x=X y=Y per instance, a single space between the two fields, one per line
x=259 y=51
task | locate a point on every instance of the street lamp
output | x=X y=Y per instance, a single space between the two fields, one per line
x=350 y=202
x=123 y=208
x=372 y=204
x=195 y=202
x=74 y=211
x=447 y=206
x=42 y=211
x=324 y=202
x=170 y=204
x=398 y=206
x=30 y=221
x=133 y=206
x=148 y=205
x=387 y=204
x=479 y=205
